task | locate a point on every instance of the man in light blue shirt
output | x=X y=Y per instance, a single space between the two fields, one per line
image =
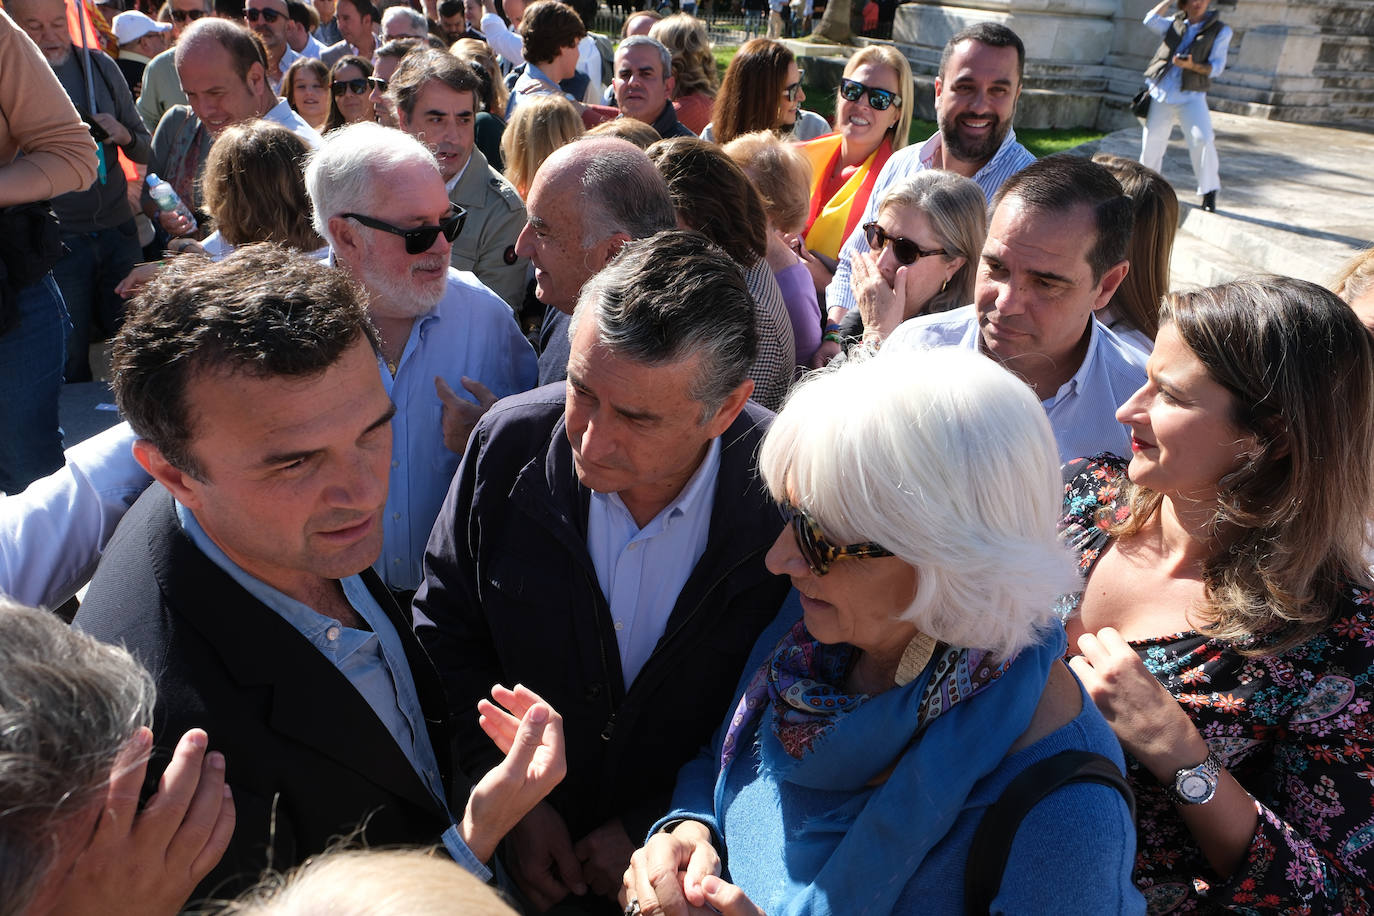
x=1055 y=253
x=975 y=103
x=240 y=577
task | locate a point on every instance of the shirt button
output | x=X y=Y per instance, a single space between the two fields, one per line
x=619 y=625
x=332 y=633
x=396 y=516
x=635 y=545
x=395 y=464
x=395 y=559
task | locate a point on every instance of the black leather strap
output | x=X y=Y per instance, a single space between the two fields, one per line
x=991 y=846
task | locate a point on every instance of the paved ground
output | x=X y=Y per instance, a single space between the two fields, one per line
x=1295 y=199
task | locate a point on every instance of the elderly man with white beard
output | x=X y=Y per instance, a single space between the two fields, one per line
x=380 y=202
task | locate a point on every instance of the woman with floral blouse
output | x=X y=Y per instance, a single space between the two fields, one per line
x=1225 y=622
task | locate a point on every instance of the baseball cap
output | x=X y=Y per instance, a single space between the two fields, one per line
x=133 y=25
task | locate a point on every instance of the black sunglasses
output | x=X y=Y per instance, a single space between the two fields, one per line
x=878 y=99
x=421 y=238
x=376 y=82
x=270 y=16
x=907 y=251
x=790 y=91
x=356 y=86
x=183 y=15
x=816 y=550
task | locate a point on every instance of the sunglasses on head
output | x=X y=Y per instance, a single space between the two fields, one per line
x=183 y=15
x=790 y=91
x=420 y=238
x=816 y=550
x=356 y=86
x=878 y=99
x=907 y=251
x=268 y=16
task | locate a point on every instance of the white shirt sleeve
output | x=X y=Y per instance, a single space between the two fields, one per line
x=502 y=40
x=589 y=62
x=53 y=533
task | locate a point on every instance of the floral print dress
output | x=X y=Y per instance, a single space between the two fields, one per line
x=1296 y=730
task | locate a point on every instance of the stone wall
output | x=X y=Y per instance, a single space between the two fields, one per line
x=1310 y=61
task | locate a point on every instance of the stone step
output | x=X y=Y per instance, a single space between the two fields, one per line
x=1196 y=263
x=1262 y=248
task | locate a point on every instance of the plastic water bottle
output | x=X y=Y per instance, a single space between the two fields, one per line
x=167 y=199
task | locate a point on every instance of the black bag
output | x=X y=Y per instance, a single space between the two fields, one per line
x=1140 y=103
x=991 y=846
x=30 y=244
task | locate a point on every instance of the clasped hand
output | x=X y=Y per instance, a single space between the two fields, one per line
x=678 y=874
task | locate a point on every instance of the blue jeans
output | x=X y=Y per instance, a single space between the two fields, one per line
x=31 y=357
x=87 y=276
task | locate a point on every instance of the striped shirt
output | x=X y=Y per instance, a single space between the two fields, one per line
x=1011 y=158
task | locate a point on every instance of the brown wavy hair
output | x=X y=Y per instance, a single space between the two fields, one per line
x=749 y=96
x=254 y=186
x=694 y=64
x=713 y=196
x=1291 y=519
x=1137 y=299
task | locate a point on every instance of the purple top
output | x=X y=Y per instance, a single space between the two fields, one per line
x=799 y=293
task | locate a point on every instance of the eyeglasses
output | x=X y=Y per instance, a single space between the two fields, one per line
x=183 y=15
x=790 y=91
x=878 y=99
x=268 y=16
x=816 y=550
x=376 y=82
x=907 y=251
x=420 y=238
x=356 y=86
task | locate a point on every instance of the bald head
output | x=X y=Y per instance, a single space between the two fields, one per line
x=587 y=200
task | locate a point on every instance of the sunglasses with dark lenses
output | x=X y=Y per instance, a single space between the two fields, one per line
x=878 y=99
x=269 y=16
x=421 y=238
x=816 y=550
x=790 y=91
x=183 y=15
x=907 y=251
x=356 y=86
x=376 y=82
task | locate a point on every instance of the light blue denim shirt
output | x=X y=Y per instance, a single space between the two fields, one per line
x=642 y=570
x=1083 y=411
x=374 y=663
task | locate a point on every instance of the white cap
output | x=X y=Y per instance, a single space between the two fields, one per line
x=133 y=25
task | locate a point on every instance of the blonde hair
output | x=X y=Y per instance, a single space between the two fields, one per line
x=1356 y=277
x=396 y=882
x=781 y=174
x=254 y=186
x=949 y=462
x=888 y=56
x=958 y=213
x=1155 y=204
x=473 y=49
x=694 y=60
x=540 y=125
x=632 y=129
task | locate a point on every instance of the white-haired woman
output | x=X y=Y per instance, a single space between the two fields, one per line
x=924 y=672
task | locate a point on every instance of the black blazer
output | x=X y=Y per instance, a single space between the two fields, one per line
x=306 y=756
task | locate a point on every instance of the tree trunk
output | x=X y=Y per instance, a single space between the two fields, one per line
x=835 y=23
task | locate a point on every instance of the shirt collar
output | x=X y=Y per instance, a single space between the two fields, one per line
x=934 y=142
x=1080 y=379
x=700 y=487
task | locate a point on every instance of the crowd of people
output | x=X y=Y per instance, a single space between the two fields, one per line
x=551 y=478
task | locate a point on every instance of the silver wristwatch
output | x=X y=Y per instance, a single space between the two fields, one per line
x=1196 y=785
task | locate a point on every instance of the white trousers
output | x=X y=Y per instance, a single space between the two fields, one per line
x=1196 y=121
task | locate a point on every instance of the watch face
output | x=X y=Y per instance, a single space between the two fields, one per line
x=1194 y=786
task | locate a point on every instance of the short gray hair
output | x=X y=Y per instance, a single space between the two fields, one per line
x=948 y=461
x=668 y=298
x=415 y=19
x=343 y=174
x=622 y=191
x=637 y=41
x=69 y=704
x=958 y=213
